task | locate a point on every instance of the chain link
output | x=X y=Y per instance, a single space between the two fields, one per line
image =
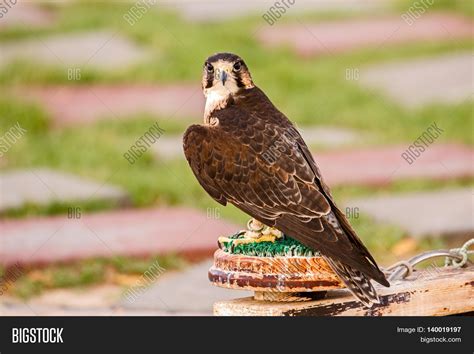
x=463 y=251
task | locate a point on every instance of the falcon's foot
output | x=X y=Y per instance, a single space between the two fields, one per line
x=256 y=232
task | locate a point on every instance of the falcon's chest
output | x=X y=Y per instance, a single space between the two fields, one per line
x=216 y=98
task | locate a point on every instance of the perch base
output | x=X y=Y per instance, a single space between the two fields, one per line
x=274 y=278
x=425 y=293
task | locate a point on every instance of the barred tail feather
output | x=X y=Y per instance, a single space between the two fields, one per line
x=357 y=283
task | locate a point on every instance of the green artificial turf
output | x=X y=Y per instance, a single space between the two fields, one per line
x=285 y=246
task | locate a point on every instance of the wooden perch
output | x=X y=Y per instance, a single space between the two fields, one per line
x=432 y=292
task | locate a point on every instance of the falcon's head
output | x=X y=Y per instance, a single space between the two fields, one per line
x=225 y=74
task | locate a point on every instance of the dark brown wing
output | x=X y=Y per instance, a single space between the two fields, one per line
x=255 y=159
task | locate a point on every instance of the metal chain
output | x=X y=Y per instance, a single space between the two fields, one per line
x=463 y=251
x=456 y=257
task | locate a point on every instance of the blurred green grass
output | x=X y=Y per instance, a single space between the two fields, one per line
x=309 y=91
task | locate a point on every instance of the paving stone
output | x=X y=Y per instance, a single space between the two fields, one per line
x=368 y=166
x=329 y=136
x=3 y=161
x=216 y=10
x=168 y=148
x=446 y=212
x=100 y=50
x=138 y=232
x=171 y=147
x=383 y=165
x=23 y=14
x=20 y=308
x=346 y=35
x=187 y=291
x=100 y=296
x=444 y=79
x=43 y=187
x=82 y=104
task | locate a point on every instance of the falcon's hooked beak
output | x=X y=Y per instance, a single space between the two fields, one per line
x=223 y=77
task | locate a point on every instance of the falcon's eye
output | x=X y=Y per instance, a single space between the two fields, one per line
x=237 y=66
x=209 y=67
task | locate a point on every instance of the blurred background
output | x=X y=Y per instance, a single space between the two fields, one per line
x=99 y=212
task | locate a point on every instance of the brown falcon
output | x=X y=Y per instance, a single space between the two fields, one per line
x=249 y=154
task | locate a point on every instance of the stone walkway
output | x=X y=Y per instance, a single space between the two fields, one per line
x=446 y=212
x=443 y=79
x=184 y=293
x=137 y=232
x=168 y=148
x=329 y=136
x=44 y=187
x=383 y=165
x=311 y=39
x=89 y=297
x=84 y=104
x=18 y=308
x=171 y=147
x=216 y=10
x=100 y=50
x=23 y=14
x=189 y=291
x=34 y=310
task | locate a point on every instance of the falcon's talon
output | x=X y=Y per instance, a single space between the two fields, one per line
x=222 y=239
